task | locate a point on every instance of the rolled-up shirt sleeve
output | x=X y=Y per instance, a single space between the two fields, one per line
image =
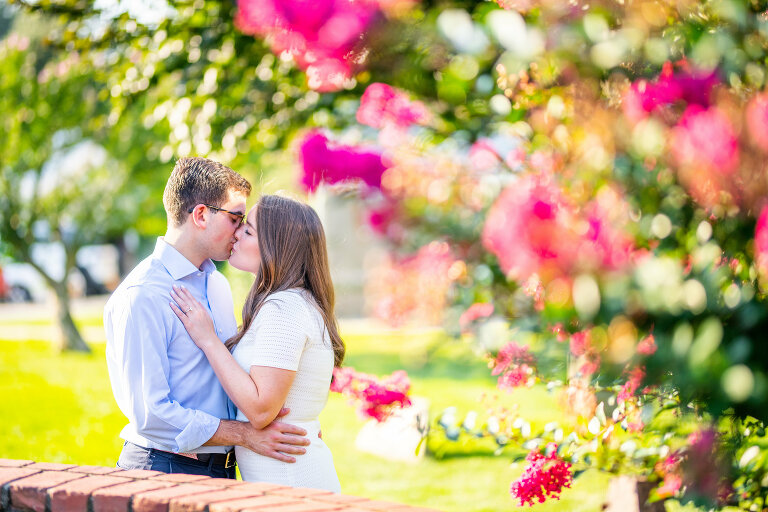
x=137 y=354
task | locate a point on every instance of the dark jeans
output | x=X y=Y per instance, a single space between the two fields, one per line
x=137 y=457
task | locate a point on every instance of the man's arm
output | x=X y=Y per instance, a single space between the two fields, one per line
x=276 y=440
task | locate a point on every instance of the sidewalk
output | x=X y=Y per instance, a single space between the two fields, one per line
x=36 y=320
x=37 y=311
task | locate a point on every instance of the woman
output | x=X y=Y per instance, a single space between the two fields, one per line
x=288 y=345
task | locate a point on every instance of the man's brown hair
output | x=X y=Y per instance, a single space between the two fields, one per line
x=196 y=181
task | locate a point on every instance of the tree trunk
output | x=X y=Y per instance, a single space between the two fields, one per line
x=70 y=338
x=69 y=335
x=629 y=494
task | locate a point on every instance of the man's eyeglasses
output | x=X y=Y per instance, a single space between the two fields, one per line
x=240 y=216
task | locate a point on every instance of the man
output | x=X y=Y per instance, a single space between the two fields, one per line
x=179 y=418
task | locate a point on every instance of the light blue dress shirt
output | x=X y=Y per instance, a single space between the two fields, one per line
x=162 y=382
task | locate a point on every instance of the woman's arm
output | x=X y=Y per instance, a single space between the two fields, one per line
x=259 y=395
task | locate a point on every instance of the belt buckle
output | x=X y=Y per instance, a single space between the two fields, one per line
x=230 y=461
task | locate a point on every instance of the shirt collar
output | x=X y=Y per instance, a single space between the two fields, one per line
x=175 y=262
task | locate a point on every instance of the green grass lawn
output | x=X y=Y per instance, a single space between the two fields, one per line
x=59 y=408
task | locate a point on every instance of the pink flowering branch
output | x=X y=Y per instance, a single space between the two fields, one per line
x=535 y=228
x=323 y=36
x=374 y=398
x=324 y=162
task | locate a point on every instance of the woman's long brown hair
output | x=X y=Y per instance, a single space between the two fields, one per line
x=293 y=255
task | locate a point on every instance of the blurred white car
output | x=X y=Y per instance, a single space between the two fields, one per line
x=22 y=284
x=96 y=272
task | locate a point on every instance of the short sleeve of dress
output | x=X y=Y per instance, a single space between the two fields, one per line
x=278 y=334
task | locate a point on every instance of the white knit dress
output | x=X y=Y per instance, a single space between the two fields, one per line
x=289 y=333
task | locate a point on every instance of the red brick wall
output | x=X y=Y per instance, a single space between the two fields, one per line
x=46 y=487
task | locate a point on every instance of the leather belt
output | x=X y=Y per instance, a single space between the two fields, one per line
x=219 y=459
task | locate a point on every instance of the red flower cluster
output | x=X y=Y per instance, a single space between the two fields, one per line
x=543 y=478
x=515 y=364
x=375 y=398
x=383 y=105
x=324 y=164
x=321 y=35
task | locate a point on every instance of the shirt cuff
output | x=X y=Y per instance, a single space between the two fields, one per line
x=197 y=432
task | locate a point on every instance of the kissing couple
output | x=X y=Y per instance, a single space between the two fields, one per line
x=199 y=392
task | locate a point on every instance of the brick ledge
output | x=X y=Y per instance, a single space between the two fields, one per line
x=29 y=486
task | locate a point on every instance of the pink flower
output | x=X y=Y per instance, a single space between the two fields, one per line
x=380 y=218
x=669 y=487
x=483 y=156
x=321 y=35
x=511 y=354
x=544 y=477
x=559 y=331
x=17 y=42
x=581 y=347
x=517 y=376
x=692 y=88
x=542 y=162
x=705 y=137
x=324 y=164
x=475 y=312
x=705 y=149
x=605 y=241
x=761 y=241
x=382 y=104
x=636 y=376
x=517 y=5
x=526 y=228
x=327 y=75
x=647 y=346
x=532 y=228
x=580 y=343
x=757 y=120
x=515 y=364
x=515 y=158
x=591 y=364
